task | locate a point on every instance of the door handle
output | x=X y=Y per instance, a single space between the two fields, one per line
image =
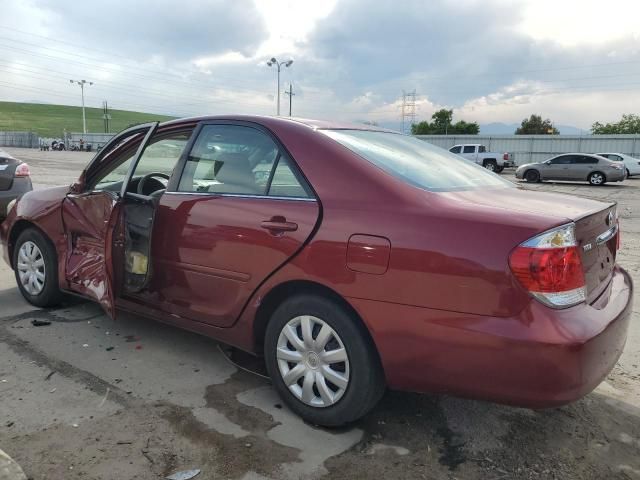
x=278 y=225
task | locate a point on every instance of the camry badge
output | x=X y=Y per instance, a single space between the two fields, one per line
x=610 y=218
x=586 y=247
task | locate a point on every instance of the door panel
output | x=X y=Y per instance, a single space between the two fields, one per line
x=209 y=252
x=89 y=221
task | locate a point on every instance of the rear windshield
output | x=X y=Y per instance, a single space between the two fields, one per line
x=417 y=162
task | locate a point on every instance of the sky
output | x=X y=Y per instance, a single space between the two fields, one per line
x=491 y=61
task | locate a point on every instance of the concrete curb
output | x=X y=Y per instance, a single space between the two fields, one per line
x=10 y=470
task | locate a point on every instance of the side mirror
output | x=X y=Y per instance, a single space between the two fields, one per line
x=77 y=186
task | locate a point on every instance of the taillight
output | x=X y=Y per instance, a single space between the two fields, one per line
x=549 y=267
x=618 y=239
x=22 y=170
x=505 y=156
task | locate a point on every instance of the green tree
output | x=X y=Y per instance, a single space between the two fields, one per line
x=629 y=124
x=442 y=124
x=535 y=125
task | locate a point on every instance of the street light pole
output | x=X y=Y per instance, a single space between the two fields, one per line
x=278 y=64
x=82 y=83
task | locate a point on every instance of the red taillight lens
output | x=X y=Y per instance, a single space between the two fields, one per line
x=505 y=156
x=22 y=170
x=548 y=270
x=549 y=267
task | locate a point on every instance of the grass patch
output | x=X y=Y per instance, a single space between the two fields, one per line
x=52 y=120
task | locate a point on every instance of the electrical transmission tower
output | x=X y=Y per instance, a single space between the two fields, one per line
x=408 y=110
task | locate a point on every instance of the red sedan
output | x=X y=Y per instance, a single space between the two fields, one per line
x=351 y=258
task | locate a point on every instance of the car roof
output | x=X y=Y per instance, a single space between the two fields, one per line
x=268 y=120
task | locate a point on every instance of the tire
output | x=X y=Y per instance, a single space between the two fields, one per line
x=597 y=179
x=359 y=380
x=532 y=176
x=499 y=169
x=38 y=257
x=628 y=173
x=490 y=165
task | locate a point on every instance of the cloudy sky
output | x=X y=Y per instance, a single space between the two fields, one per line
x=491 y=61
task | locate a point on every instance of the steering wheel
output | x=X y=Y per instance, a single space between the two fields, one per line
x=143 y=180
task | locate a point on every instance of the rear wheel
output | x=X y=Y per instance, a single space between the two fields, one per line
x=597 y=178
x=490 y=165
x=36 y=269
x=321 y=361
x=628 y=173
x=499 y=169
x=532 y=176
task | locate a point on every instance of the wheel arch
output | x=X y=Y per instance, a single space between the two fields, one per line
x=282 y=291
x=487 y=160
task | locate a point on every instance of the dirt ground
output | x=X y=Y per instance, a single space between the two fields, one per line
x=89 y=398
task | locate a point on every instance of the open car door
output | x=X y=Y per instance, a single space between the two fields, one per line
x=106 y=225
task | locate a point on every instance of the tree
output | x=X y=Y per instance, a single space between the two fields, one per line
x=629 y=123
x=442 y=125
x=534 y=125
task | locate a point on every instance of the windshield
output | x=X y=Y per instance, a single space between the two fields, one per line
x=417 y=162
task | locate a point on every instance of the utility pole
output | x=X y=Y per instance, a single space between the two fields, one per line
x=291 y=94
x=278 y=64
x=106 y=116
x=82 y=83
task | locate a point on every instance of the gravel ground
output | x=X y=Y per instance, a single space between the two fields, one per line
x=89 y=398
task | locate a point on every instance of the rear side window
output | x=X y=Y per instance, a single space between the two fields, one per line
x=417 y=162
x=584 y=160
x=482 y=149
x=469 y=149
x=455 y=149
x=239 y=160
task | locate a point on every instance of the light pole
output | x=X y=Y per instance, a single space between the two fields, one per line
x=278 y=64
x=82 y=83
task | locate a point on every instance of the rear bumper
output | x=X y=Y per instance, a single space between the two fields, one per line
x=20 y=185
x=541 y=358
x=617 y=176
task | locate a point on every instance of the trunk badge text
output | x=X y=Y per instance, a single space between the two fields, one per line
x=587 y=247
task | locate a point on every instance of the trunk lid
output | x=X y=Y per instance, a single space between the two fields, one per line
x=591 y=217
x=597 y=238
x=7 y=170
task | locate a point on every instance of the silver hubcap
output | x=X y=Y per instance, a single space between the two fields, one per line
x=31 y=268
x=490 y=166
x=313 y=361
x=596 y=179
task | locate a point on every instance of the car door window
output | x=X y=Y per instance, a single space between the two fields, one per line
x=482 y=149
x=455 y=149
x=469 y=149
x=160 y=157
x=563 y=160
x=584 y=160
x=239 y=160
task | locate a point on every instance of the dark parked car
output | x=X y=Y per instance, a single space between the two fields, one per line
x=14 y=180
x=365 y=259
x=574 y=166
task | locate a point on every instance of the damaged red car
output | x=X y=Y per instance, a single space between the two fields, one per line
x=352 y=258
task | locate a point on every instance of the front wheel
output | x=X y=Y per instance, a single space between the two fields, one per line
x=597 y=178
x=36 y=269
x=532 y=176
x=321 y=361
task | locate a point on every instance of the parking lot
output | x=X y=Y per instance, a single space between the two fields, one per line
x=89 y=398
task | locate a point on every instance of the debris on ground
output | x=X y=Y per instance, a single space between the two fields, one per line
x=184 y=475
x=109 y=349
x=50 y=375
x=40 y=323
x=131 y=338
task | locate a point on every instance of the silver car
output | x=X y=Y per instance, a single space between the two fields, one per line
x=573 y=166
